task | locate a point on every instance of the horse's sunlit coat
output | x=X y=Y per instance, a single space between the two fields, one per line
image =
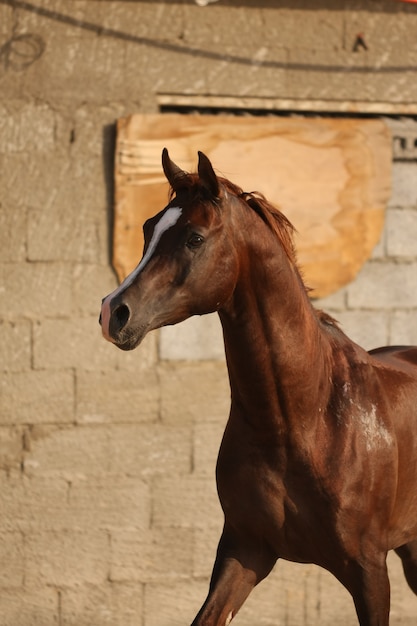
x=318 y=462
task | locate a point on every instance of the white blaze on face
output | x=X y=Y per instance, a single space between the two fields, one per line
x=168 y=219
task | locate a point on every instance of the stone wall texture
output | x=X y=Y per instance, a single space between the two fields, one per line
x=109 y=514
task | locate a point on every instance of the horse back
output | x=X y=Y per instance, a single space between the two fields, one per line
x=403 y=358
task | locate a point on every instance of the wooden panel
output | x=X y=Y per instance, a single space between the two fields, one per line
x=331 y=177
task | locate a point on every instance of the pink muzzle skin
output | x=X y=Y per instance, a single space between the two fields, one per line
x=105 y=318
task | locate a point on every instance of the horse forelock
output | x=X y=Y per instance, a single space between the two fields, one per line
x=191 y=185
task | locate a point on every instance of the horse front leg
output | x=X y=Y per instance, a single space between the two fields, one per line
x=239 y=566
x=369 y=585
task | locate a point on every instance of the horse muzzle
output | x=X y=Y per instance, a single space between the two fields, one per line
x=115 y=320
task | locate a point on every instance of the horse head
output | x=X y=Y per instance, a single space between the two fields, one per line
x=188 y=266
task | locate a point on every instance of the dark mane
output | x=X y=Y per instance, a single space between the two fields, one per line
x=270 y=214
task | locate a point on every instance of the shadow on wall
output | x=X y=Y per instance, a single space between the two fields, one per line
x=108 y=155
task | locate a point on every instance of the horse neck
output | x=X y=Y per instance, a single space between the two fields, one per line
x=277 y=353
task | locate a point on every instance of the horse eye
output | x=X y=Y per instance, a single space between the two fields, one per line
x=194 y=241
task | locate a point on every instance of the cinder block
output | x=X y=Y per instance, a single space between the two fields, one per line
x=384 y=286
x=149 y=23
x=83 y=347
x=12 y=558
x=90 y=284
x=191 y=392
x=11 y=448
x=15 y=346
x=306 y=84
x=369 y=329
x=403 y=131
x=91 y=116
x=142 y=358
x=150 y=450
x=34 y=194
x=196 y=29
x=35 y=290
x=80 y=342
x=323 y=29
x=264 y=74
x=403 y=328
x=6 y=21
x=156 y=60
x=152 y=556
x=55 y=503
x=27 y=127
x=334 y=302
x=112 y=503
x=205 y=548
x=12 y=234
x=372 y=26
x=404 y=188
x=142 y=450
x=196 y=339
x=402 y=232
x=33 y=21
x=35 y=397
x=117 y=396
x=67 y=558
x=207 y=440
x=63 y=74
x=75 y=236
x=30 y=607
x=67 y=452
x=110 y=604
x=30 y=504
x=379 y=252
x=59 y=503
x=199 y=508
x=173 y=604
x=58 y=234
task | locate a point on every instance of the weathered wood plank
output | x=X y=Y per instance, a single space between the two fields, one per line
x=331 y=177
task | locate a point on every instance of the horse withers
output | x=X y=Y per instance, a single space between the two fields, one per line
x=318 y=462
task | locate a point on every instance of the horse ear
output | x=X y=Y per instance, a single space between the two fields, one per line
x=207 y=175
x=173 y=173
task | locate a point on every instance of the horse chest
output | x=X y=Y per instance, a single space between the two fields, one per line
x=274 y=499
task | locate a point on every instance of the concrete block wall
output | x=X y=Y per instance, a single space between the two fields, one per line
x=109 y=514
x=379 y=307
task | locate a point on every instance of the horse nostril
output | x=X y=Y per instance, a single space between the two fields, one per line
x=121 y=316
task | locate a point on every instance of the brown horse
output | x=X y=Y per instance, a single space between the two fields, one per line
x=318 y=462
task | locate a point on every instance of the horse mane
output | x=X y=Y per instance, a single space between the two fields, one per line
x=271 y=215
x=284 y=230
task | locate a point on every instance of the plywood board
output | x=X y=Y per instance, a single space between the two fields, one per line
x=331 y=177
